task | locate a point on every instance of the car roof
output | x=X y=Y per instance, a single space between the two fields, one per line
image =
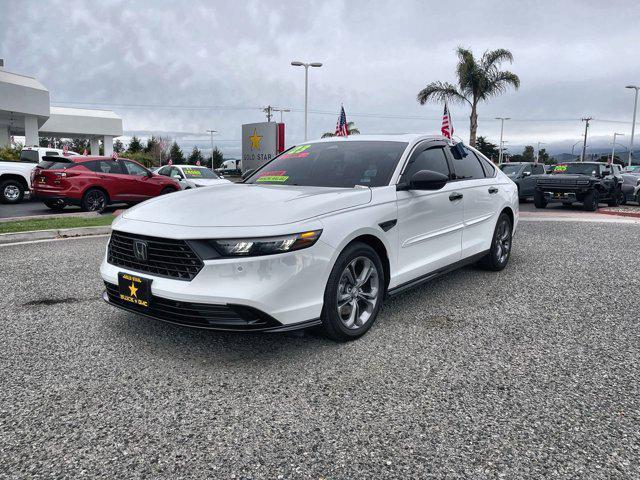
x=182 y=165
x=396 y=137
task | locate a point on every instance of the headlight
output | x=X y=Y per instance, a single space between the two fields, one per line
x=251 y=247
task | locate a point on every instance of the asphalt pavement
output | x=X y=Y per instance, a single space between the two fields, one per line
x=533 y=372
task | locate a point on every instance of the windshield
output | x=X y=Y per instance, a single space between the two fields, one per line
x=333 y=164
x=510 y=169
x=576 y=168
x=199 y=172
x=30 y=156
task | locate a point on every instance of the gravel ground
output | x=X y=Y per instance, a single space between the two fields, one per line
x=528 y=373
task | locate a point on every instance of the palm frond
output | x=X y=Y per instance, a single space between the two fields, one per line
x=492 y=58
x=499 y=82
x=439 y=92
x=328 y=134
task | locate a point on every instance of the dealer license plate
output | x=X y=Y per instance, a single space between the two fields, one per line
x=135 y=290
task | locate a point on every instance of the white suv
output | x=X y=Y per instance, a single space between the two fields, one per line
x=317 y=236
x=15 y=177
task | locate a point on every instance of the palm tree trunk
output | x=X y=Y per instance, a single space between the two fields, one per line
x=473 y=125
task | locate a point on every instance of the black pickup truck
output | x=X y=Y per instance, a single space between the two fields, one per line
x=587 y=182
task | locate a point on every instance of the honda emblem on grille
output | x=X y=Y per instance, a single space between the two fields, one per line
x=141 y=250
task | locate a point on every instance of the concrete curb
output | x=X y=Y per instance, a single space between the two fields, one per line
x=48 y=217
x=19 y=237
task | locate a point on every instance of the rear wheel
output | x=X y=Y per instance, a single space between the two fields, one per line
x=538 y=200
x=94 y=200
x=500 y=250
x=55 y=205
x=11 y=191
x=616 y=199
x=591 y=201
x=354 y=293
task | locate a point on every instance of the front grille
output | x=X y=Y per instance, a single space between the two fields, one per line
x=556 y=182
x=203 y=315
x=165 y=257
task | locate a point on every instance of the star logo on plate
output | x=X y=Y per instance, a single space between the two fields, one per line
x=255 y=140
x=134 y=290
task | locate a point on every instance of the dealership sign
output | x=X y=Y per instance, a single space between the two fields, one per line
x=260 y=143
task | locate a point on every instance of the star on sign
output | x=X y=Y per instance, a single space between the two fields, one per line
x=255 y=140
x=133 y=289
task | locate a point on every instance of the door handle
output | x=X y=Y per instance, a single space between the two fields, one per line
x=493 y=190
x=455 y=196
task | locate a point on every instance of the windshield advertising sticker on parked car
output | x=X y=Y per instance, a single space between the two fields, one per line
x=277 y=176
x=192 y=171
x=297 y=152
x=560 y=168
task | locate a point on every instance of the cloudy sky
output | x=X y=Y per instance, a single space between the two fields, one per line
x=180 y=68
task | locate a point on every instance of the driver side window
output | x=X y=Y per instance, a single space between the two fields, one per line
x=433 y=159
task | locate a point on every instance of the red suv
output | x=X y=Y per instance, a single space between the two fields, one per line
x=95 y=182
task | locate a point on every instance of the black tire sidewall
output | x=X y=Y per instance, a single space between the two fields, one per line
x=6 y=183
x=86 y=194
x=332 y=325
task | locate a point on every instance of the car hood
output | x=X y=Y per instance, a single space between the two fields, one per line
x=241 y=205
x=207 y=182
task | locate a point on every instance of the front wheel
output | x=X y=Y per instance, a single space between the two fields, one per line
x=616 y=199
x=354 y=293
x=11 y=191
x=591 y=201
x=538 y=200
x=500 y=250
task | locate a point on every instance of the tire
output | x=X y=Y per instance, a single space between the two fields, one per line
x=538 y=200
x=500 y=250
x=167 y=190
x=94 y=200
x=55 y=205
x=342 y=323
x=591 y=201
x=11 y=191
x=616 y=200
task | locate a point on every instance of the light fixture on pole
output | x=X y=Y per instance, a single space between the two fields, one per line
x=502 y=119
x=633 y=125
x=281 y=110
x=574 y=146
x=613 y=145
x=306 y=88
x=212 y=132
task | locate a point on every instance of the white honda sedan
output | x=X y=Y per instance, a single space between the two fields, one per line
x=317 y=236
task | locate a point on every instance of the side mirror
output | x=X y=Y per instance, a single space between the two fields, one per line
x=525 y=174
x=248 y=173
x=425 y=180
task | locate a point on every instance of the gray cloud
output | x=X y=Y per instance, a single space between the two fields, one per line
x=573 y=57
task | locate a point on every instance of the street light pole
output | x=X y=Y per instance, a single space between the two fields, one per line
x=633 y=125
x=212 y=132
x=502 y=119
x=281 y=110
x=613 y=145
x=306 y=88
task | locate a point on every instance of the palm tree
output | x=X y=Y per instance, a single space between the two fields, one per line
x=478 y=80
x=350 y=126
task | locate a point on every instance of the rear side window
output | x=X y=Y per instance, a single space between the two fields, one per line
x=538 y=169
x=135 y=169
x=30 y=156
x=432 y=159
x=104 y=166
x=468 y=167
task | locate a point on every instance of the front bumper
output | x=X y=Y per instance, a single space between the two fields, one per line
x=283 y=290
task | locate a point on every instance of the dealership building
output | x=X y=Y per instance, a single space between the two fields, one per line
x=25 y=110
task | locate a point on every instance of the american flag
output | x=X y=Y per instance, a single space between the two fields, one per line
x=447 y=126
x=342 y=130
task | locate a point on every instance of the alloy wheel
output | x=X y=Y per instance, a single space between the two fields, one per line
x=95 y=201
x=503 y=241
x=11 y=193
x=358 y=292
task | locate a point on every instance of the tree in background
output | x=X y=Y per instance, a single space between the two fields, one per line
x=79 y=144
x=543 y=157
x=135 y=145
x=195 y=156
x=48 y=142
x=10 y=153
x=528 y=154
x=350 y=126
x=478 y=80
x=487 y=148
x=215 y=160
x=118 y=147
x=175 y=154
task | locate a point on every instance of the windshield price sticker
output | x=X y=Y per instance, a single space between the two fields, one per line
x=297 y=152
x=277 y=176
x=192 y=171
x=560 y=168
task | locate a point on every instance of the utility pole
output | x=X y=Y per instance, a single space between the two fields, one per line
x=584 y=145
x=212 y=132
x=268 y=109
x=502 y=119
x=633 y=124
